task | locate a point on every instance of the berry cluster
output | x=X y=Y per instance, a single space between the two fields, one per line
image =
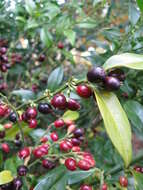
x=110 y=81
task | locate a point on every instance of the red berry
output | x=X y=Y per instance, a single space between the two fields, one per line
x=84 y=165
x=73 y=104
x=69 y=122
x=31 y=113
x=60 y=45
x=38 y=153
x=64 y=146
x=85 y=187
x=3 y=110
x=59 y=101
x=70 y=164
x=5 y=147
x=8 y=125
x=44 y=139
x=32 y=123
x=54 y=136
x=137 y=168
x=76 y=149
x=25 y=152
x=3 y=68
x=123 y=181
x=84 y=91
x=59 y=123
x=104 y=186
x=3 y=50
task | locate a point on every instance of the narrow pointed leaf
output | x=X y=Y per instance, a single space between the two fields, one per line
x=129 y=60
x=116 y=123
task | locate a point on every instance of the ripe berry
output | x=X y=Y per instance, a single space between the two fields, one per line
x=22 y=170
x=13 y=117
x=112 y=83
x=3 y=50
x=5 y=147
x=32 y=123
x=54 y=136
x=75 y=141
x=38 y=153
x=60 y=45
x=96 y=74
x=65 y=146
x=59 y=123
x=24 y=117
x=104 y=187
x=44 y=139
x=84 y=91
x=18 y=143
x=48 y=164
x=2 y=110
x=78 y=132
x=84 y=165
x=17 y=183
x=31 y=113
x=25 y=152
x=44 y=108
x=85 y=187
x=123 y=181
x=41 y=58
x=117 y=73
x=59 y=101
x=73 y=105
x=3 y=68
x=137 y=168
x=70 y=164
x=2 y=134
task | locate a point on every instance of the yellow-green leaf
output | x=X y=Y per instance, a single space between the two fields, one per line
x=116 y=123
x=70 y=115
x=129 y=60
x=5 y=177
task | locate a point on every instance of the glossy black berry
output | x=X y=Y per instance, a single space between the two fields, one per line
x=22 y=170
x=112 y=83
x=117 y=73
x=17 y=183
x=13 y=117
x=97 y=74
x=18 y=143
x=44 y=108
x=78 y=132
x=2 y=134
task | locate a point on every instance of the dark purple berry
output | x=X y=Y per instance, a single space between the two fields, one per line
x=117 y=73
x=44 y=108
x=17 y=183
x=13 y=117
x=97 y=74
x=22 y=170
x=112 y=83
x=78 y=132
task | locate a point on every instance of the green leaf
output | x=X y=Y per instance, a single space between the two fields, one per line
x=116 y=124
x=46 y=37
x=30 y=6
x=134 y=13
x=134 y=111
x=138 y=180
x=129 y=60
x=77 y=176
x=71 y=35
x=12 y=164
x=5 y=177
x=140 y=4
x=51 y=10
x=1 y=127
x=54 y=180
x=55 y=78
x=10 y=134
x=37 y=134
x=70 y=115
x=24 y=94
